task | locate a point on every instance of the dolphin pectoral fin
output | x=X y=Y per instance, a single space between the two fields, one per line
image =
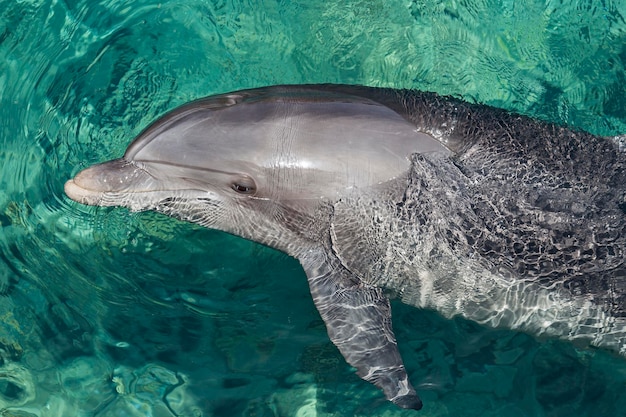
x=358 y=321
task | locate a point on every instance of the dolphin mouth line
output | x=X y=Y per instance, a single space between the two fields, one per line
x=81 y=188
x=92 y=197
x=74 y=186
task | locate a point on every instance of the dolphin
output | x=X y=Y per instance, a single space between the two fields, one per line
x=447 y=205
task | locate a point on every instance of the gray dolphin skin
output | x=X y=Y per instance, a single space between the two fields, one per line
x=460 y=208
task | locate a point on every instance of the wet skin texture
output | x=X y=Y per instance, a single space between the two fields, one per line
x=456 y=207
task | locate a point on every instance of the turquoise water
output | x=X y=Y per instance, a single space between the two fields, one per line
x=111 y=313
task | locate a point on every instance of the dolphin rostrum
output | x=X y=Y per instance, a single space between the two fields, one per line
x=456 y=207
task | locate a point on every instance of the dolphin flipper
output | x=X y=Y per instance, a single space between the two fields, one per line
x=358 y=321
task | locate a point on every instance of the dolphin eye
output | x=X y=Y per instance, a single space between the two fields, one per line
x=244 y=185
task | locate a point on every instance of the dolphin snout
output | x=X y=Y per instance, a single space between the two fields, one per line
x=119 y=176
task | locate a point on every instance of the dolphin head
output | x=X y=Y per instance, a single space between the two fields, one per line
x=257 y=163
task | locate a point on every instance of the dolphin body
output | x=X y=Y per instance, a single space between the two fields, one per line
x=456 y=207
